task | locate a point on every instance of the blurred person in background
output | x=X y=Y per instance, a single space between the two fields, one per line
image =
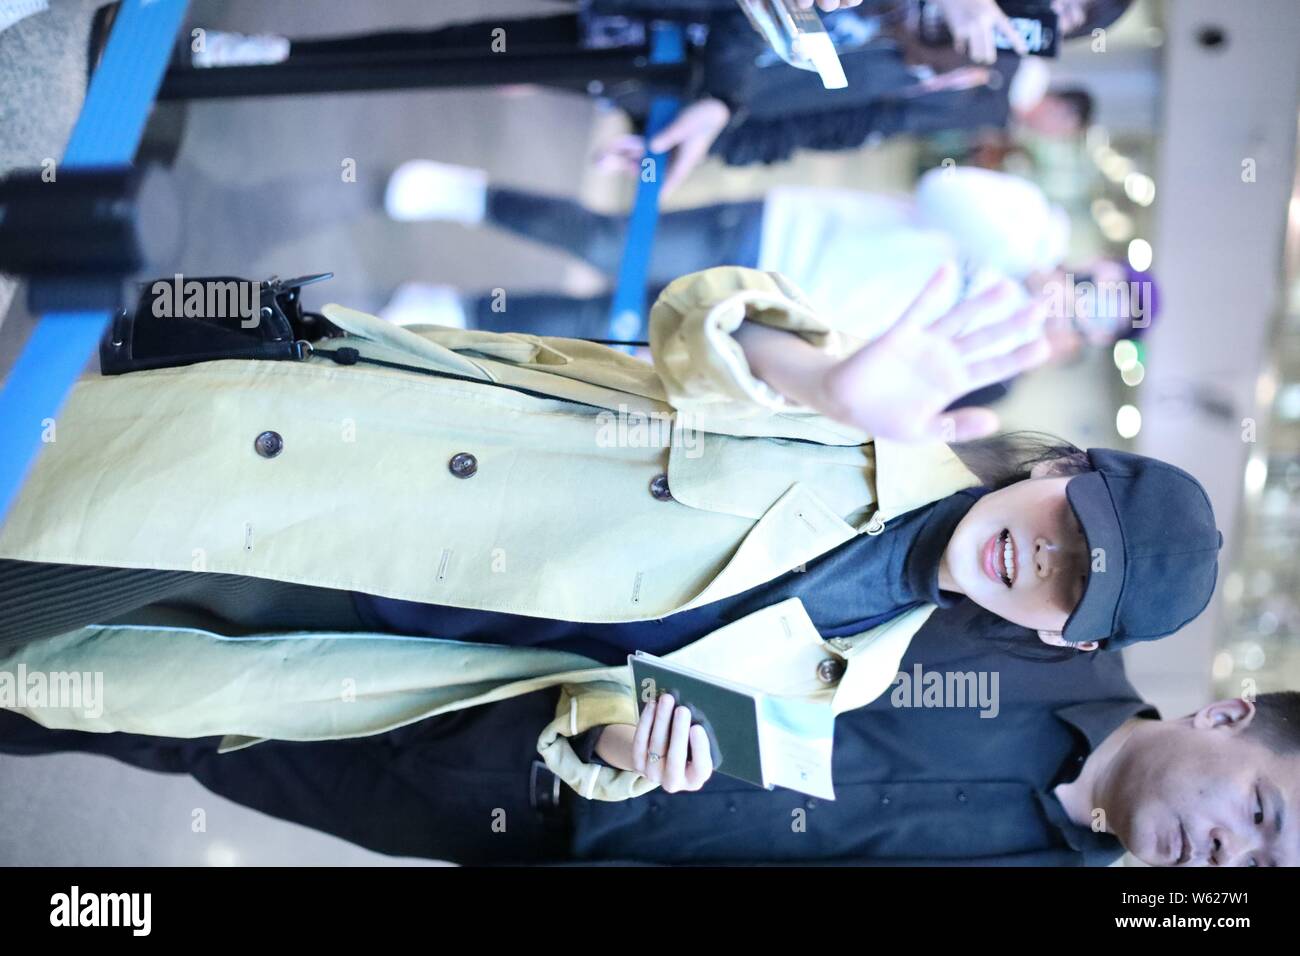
x=751 y=106
x=862 y=257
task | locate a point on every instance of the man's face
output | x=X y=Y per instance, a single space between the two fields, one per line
x=1201 y=792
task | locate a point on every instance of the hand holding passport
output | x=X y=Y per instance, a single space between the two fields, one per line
x=763 y=739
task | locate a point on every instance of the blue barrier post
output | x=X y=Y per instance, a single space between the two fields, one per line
x=627 y=312
x=107 y=133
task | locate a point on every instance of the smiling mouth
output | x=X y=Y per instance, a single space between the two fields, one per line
x=1004 y=558
x=999 y=558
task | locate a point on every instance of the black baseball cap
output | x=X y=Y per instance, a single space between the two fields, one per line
x=1154 y=546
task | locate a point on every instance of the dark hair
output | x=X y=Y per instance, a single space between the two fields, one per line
x=1101 y=14
x=1002 y=460
x=1079 y=100
x=1277 y=721
x=999 y=461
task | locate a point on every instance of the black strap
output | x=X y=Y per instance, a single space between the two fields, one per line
x=350 y=356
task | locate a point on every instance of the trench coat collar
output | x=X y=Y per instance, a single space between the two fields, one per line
x=801 y=526
x=910 y=476
x=399 y=339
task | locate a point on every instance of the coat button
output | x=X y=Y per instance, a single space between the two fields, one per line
x=463 y=465
x=268 y=444
x=659 y=488
x=830 y=670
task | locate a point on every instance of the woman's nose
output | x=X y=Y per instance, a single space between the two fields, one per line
x=1044 y=557
x=1050 y=558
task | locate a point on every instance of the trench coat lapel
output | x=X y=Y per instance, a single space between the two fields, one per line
x=798 y=528
x=909 y=476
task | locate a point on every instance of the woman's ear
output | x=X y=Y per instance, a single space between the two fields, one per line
x=1055 y=639
x=1049 y=468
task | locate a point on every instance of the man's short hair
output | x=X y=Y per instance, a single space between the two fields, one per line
x=1080 y=101
x=1277 y=721
x=1100 y=14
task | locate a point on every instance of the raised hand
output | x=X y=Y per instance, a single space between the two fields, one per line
x=688 y=137
x=975 y=25
x=898 y=385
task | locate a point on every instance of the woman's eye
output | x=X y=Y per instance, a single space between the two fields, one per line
x=1259 y=808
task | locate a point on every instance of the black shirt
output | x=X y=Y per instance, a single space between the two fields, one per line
x=914 y=785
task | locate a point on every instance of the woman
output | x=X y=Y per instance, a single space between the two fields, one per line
x=860 y=257
x=504 y=487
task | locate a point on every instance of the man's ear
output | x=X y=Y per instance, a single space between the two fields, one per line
x=1055 y=639
x=1236 y=713
x=1048 y=468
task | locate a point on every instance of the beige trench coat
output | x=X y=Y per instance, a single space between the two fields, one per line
x=158 y=469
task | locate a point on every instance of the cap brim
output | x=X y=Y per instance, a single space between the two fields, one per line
x=1094 y=618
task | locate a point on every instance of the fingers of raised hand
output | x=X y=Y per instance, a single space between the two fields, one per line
x=1002 y=367
x=1002 y=23
x=699 y=115
x=622 y=154
x=1003 y=335
x=965 y=424
x=939 y=289
x=980 y=43
x=965 y=313
x=689 y=155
